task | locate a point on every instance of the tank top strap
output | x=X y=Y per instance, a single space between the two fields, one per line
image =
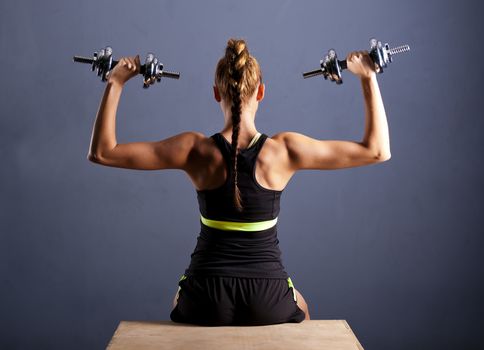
x=250 y=154
x=260 y=142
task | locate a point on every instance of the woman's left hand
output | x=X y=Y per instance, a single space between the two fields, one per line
x=126 y=68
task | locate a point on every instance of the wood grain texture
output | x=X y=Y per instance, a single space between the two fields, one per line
x=309 y=334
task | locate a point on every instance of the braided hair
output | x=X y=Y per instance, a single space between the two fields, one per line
x=237 y=76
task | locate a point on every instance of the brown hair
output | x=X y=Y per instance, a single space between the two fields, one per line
x=236 y=77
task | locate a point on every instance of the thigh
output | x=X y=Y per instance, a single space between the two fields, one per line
x=301 y=303
x=175 y=298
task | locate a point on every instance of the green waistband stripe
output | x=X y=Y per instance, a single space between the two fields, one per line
x=239 y=226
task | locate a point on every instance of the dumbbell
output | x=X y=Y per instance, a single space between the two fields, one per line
x=103 y=62
x=331 y=67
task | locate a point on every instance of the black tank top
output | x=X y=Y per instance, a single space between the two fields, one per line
x=231 y=252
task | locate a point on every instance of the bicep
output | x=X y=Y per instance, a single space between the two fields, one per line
x=307 y=153
x=170 y=153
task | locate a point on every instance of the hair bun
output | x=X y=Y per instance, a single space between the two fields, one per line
x=236 y=45
x=237 y=52
x=237 y=74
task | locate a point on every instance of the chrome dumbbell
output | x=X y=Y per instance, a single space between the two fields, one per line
x=102 y=62
x=331 y=67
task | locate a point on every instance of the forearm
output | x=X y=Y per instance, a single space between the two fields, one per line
x=376 y=135
x=103 y=136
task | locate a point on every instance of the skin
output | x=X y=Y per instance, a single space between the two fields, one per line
x=282 y=155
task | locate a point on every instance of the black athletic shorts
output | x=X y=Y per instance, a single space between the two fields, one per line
x=235 y=301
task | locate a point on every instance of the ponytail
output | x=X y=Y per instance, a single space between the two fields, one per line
x=237 y=76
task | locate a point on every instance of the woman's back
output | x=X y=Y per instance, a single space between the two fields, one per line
x=209 y=169
x=260 y=203
x=232 y=242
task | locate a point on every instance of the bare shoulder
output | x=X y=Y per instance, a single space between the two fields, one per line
x=287 y=140
x=192 y=140
x=277 y=142
x=202 y=144
x=284 y=137
x=202 y=149
x=186 y=142
x=278 y=147
x=194 y=136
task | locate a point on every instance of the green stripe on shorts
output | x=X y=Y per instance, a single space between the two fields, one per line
x=291 y=285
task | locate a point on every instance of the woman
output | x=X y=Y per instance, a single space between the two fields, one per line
x=236 y=276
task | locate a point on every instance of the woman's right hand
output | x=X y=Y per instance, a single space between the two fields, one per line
x=360 y=64
x=126 y=68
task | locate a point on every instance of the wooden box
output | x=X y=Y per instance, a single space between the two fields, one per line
x=309 y=334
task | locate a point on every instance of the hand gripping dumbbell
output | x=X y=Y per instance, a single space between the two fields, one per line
x=103 y=63
x=331 y=67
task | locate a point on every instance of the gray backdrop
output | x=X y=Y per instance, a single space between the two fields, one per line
x=393 y=248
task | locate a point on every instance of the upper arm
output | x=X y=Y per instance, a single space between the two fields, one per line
x=170 y=153
x=304 y=152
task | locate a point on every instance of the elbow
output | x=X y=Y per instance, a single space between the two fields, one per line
x=377 y=153
x=383 y=156
x=93 y=158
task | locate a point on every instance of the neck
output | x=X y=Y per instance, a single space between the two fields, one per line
x=247 y=123
x=246 y=132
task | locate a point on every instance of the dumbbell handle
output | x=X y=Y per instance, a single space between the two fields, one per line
x=81 y=59
x=313 y=73
x=173 y=75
